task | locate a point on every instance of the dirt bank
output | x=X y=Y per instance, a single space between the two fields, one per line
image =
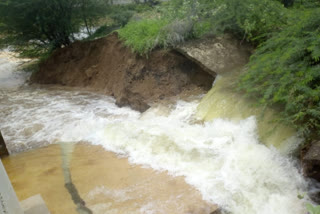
x=107 y=65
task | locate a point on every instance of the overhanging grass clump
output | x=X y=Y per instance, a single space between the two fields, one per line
x=142 y=36
x=145 y=35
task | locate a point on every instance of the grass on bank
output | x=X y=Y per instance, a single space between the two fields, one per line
x=142 y=36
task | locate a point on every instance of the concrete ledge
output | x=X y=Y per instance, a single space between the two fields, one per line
x=34 y=205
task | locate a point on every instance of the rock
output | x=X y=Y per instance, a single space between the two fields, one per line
x=3 y=147
x=311 y=161
x=90 y=72
x=217 y=211
x=133 y=100
x=311 y=168
x=217 y=54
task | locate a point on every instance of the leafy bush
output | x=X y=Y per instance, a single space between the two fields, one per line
x=252 y=20
x=285 y=72
x=42 y=25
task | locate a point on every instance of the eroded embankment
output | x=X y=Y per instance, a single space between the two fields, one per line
x=107 y=65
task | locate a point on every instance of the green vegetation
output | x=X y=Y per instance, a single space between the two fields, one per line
x=179 y=20
x=285 y=72
x=313 y=209
x=142 y=35
x=36 y=27
x=37 y=24
x=169 y=25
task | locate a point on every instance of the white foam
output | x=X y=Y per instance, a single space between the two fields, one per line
x=10 y=76
x=223 y=159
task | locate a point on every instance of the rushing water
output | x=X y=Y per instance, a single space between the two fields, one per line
x=222 y=157
x=223 y=102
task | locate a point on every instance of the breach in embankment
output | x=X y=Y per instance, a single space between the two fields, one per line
x=108 y=66
x=223 y=158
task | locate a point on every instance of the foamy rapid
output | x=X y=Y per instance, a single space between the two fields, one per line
x=222 y=158
x=10 y=77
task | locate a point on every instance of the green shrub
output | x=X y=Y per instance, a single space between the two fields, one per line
x=200 y=29
x=45 y=23
x=252 y=20
x=285 y=72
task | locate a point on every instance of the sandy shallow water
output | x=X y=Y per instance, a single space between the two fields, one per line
x=107 y=183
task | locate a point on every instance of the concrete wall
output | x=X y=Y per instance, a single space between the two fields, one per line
x=9 y=203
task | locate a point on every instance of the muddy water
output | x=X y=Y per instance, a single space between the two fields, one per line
x=222 y=101
x=107 y=183
x=10 y=77
x=222 y=157
x=32 y=117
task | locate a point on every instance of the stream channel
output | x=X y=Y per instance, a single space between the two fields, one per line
x=84 y=154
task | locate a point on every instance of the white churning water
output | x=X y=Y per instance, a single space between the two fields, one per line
x=222 y=158
x=10 y=77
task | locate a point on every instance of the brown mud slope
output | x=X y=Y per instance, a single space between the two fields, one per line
x=108 y=66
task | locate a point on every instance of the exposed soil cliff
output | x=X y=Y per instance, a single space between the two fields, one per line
x=108 y=66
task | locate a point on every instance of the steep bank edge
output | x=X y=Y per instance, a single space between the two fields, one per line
x=108 y=66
